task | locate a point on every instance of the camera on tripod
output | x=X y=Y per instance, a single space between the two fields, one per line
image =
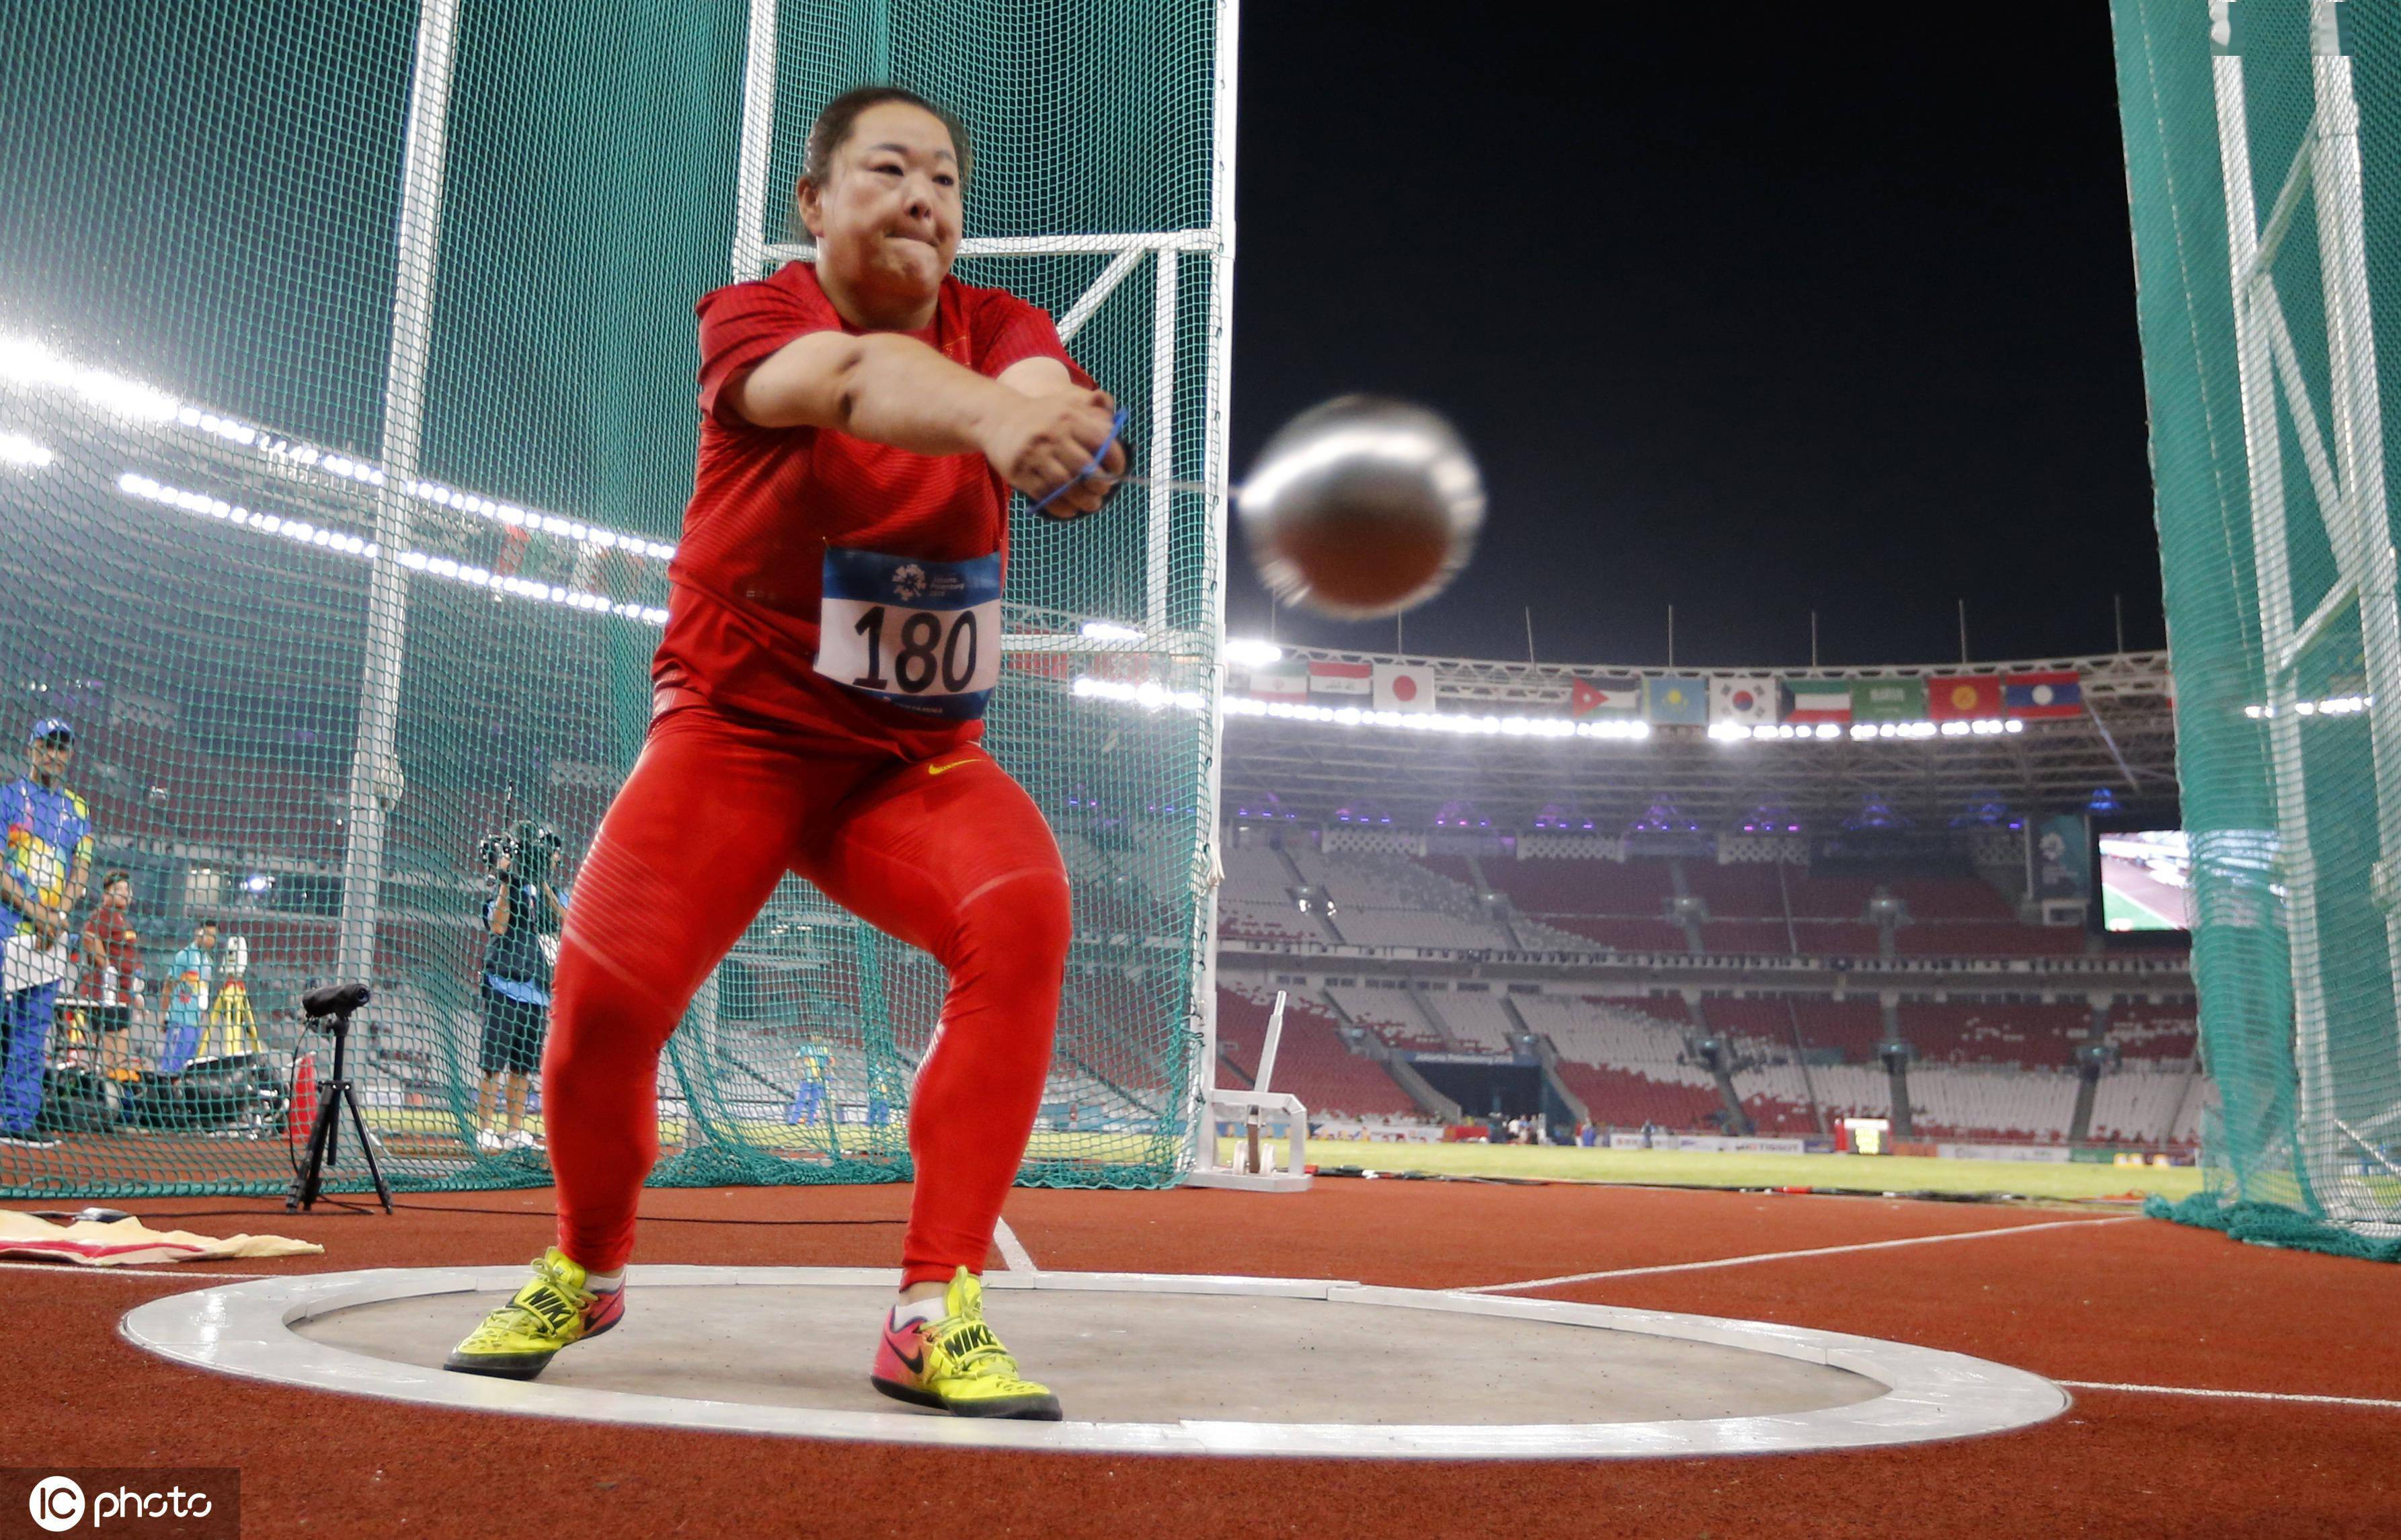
x=529 y=847
x=329 y=1008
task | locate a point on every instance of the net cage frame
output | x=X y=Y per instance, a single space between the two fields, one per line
x=1178 y=281
x=2297 y=1041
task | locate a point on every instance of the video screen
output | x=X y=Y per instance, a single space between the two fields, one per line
x=2145 y=880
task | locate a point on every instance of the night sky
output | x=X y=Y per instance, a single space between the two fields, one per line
x=1751 y=311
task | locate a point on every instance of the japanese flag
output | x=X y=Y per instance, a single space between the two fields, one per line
x=1404 y=687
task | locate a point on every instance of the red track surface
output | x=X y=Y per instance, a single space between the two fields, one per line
x=2141 y=1303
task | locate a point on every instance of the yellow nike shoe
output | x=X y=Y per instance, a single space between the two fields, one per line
x=553 y=1309
x=956 y=1365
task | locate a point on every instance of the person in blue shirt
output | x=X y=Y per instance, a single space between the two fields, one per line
x=191 y=984
x=809 y=1096
x=43 y=873
x=522 y=920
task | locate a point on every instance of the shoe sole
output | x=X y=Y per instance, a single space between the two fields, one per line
x=1024 y=1408
x=518 y=1365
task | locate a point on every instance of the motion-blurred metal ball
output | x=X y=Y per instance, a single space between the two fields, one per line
x=1362 y=508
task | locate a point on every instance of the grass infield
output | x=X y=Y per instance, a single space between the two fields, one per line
x=1702 y=1169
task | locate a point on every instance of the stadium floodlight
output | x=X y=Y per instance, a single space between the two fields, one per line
x=1148 y=695
x=200 y=504
x=26 y=362
x=27 y=454
x=1109 y=631
x=26 y=365
x=2336 y=705
x=1253 y=654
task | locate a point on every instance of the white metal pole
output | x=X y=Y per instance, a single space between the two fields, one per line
x=1268 y=1051
x=2264 y=454
x=1162 y=448
x=758 y=144
x=1209 y=866
x=375 y=779
x=2359 y=525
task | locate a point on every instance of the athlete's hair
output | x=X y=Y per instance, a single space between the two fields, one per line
x=833 y=129
x=113 y=879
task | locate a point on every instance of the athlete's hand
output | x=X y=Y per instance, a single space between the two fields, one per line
x=1040 y=443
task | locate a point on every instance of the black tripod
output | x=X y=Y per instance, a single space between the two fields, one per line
x=329 y=1010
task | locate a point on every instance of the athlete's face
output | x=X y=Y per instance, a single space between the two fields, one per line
x=886 y=222
x=50 y=757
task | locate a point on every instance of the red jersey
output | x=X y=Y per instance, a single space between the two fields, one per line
x=112 y=960
x=768 y=503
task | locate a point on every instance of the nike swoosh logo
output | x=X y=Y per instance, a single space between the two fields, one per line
x=915 y=1365
x=956 y=764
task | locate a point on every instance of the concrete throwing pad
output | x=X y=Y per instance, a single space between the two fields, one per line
x=1144 y=1362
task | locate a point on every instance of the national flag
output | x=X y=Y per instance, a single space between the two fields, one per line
x=1673 y=700
x=2057 y=694
x=1888 y=700
x=1963 y=698
x=1047 y=666
x=1609 y=695
x=1404 y=687
x=1341 y=678
x=1748 y=702
x=1814 y=699
x=1280 y=681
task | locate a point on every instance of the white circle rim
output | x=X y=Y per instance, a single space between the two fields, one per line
x=245 y=1330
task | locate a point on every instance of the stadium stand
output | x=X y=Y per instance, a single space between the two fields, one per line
x=1475 y=1023
x=2020 y=1035
x=2167 y=1033
x=1391 y=1015
x=1313 y=1062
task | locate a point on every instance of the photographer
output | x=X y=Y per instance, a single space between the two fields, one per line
x=521 y=922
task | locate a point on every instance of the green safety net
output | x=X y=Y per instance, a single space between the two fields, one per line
x=346 y=423
x=2263 y=152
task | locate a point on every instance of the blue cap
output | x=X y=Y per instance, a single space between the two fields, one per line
x=51 y=729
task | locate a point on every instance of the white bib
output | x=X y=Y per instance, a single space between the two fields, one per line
x=922 y=635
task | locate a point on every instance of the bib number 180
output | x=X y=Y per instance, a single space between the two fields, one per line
x=933 y=651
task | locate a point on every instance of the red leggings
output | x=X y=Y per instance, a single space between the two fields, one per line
x=948 y=855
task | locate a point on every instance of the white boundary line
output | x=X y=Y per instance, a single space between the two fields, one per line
x=245 y=1331
x=2235 y=1395
x=1013 y=1250
x=1783 y=1255
x=80 y=1270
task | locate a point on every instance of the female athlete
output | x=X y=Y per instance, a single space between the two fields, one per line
x=833 y=632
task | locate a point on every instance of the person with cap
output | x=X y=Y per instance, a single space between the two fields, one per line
x=43 y=873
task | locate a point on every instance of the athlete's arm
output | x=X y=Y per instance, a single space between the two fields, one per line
x=896 y=390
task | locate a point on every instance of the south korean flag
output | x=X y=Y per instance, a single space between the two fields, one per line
x=1742 y=702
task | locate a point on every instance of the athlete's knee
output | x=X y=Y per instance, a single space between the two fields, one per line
x=1020 y=926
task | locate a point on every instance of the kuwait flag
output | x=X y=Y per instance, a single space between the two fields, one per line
x=1611 y=695
x=1341 y=678
x=1281 y=682
x=1748 y=702
x=2060 y=694
x=1674 y=700
x=1963 y=698
x=1816 y=700
x=1402 y=687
